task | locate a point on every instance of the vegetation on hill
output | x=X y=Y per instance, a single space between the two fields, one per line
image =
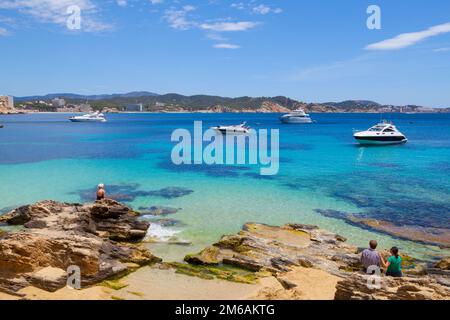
x=173 y=102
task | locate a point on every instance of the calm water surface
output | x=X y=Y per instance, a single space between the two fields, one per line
x=44 y=156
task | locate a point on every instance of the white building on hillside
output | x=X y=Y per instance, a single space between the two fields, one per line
x=138 y=107
x=58 y=103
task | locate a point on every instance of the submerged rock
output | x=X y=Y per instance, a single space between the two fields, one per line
x=167 y=222
x=59 y=235
x=129 y=192
x=171 y=192
x=158 y=211
x=427 y=235
x=119 y=192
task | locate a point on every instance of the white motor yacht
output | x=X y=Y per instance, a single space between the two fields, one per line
x=90 y=117
x=237 y=129
x=297 y=116
x=382 y=133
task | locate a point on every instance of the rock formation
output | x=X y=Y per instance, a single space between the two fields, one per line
x=57 y=235
x=282 y=250
x=101 y=240
x=272 y=107
x=443 y=264
x=356 y=287
x=260 y=247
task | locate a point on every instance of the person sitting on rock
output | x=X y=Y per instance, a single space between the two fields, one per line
x=370 y=257
x=394 y=264
x=101 y=192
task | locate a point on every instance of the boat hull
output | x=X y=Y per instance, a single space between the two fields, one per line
x=86 y=120
x=228 y=131
x=296 y=120
x=381 y=140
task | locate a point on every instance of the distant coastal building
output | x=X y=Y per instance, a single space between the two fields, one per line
x=58 y=103
x=138 y=107
x=84 y=107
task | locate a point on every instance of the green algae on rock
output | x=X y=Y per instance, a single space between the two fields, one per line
x=222 y=272
x=259 y=247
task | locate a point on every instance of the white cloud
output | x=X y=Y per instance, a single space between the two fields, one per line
x=239 y=6
x=263 y=9
x=156 y=1
x=3 y=32
x=55 y=11
x=229 y=26
x=277 y=10
x=178 y=19
x=408 y=39
x=188 y=8
x=122 y=3
x=215 y=36
x=226 y=46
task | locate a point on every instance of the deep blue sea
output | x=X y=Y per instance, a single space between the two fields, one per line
x=44 y=156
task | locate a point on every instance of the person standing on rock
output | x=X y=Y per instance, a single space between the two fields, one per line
x=101 y=192
x=370 y=257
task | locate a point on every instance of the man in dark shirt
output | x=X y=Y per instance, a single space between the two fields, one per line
x=371 y=257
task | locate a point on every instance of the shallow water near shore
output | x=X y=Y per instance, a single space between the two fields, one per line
x=44 y=156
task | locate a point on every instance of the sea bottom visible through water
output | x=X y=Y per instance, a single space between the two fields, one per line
x=325 y=178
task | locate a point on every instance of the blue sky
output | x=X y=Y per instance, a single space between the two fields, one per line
x=314 y=51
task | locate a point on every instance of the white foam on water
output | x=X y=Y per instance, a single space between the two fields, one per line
x=160 y=233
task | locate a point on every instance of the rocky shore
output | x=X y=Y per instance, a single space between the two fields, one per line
x=280 y=251
x=98 y=238
x=294 y=261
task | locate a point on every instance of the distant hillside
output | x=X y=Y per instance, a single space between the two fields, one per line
x=73 y=96
x=173 y=102
x=353 y=104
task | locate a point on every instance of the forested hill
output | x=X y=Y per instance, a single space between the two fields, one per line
x=173 y=102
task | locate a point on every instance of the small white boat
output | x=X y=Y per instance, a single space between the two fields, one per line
x=382 y=133
x=237 y=129
x=297 y=116
x=90 y=117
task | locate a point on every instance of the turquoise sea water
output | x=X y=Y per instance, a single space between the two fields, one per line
x=44 y=156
